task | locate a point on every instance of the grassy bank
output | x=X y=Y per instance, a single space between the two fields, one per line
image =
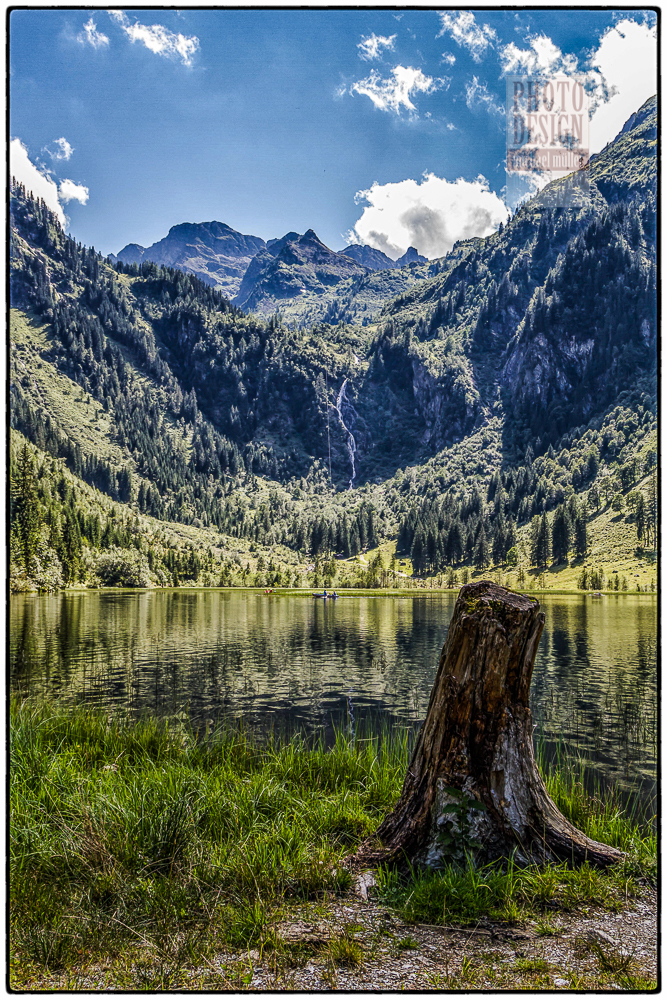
x=147 y=848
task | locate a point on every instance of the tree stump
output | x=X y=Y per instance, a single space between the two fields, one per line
x=473 y=786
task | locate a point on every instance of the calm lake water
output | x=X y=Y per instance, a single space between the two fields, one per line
x=288 y=663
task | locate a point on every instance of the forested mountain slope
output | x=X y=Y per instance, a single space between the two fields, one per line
x=511 y=379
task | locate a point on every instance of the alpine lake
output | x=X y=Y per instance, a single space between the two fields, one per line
x=286 y=664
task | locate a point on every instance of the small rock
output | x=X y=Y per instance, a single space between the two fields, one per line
x=365 y=882
x=561 y=982
x=601 y=937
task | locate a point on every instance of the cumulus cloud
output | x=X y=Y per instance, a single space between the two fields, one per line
x=431 y=214
x=371 y=47
x=91 y=36
x=478 y=96
x=69 y=191
x=627 y=61
x=38 y=181
x=393 y=93
x=158 y=39
x=543 y=56
x=63 y=150
x=449 y=58
x=465 y=31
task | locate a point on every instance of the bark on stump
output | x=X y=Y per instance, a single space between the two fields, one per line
x=473 y=784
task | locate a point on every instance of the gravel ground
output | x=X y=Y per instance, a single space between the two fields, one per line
x=353 y=944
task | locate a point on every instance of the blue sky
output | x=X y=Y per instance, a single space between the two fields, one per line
x=376 y=125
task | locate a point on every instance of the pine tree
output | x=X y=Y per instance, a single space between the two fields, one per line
x=499 y=541
x=482 y=550
x=561 y=534
x=580 y=528
x=372 y=534
x=25 y=513
x=417 y=553
x=70 y=546
x=640 y=516
x=539 y=549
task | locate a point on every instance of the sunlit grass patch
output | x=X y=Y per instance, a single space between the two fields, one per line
x=125 y=835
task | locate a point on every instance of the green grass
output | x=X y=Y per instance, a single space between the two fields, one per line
x=140 y=834
x=147 y=846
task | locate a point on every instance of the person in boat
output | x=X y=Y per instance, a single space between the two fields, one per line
x=324 y=594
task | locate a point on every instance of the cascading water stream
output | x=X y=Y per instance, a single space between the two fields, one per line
x=351 y=443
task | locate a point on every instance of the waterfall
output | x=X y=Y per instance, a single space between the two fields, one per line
x=351 y=443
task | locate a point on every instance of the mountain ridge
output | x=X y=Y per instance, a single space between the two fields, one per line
x=213 y=251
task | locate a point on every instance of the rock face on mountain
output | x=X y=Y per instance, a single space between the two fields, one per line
x=291 y=268
x=542 y=324
x=215 y=252
x=369 y=257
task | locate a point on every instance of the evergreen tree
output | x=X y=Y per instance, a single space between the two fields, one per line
x=418 y=551
x=25 y=512
x=498 y=545
x=561 y=534
x=70 y=548
x=482 y=549
x=580 y=528
x=640 y=516
x=372 y=534
x=539 y=549
x=455 y=542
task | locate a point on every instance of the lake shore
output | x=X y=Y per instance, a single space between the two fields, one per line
x=416 y=591
x=145 y=856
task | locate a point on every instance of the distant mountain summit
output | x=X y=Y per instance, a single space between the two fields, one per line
x=411 y=256
x=215 y=252
x=294 y=266
x=376 y=260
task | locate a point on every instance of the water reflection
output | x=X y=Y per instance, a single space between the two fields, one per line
x=288 y=663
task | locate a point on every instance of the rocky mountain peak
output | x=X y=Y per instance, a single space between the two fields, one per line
x=411 y=256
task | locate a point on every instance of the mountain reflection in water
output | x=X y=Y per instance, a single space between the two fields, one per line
x=290 y=663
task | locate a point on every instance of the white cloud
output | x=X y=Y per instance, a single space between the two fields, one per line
x=63 y=150
x=42 y=186
x=394 y=93
x=478 y=96
x=371 y=47
x=158 y=39
x=626 y=59
x=449 y=58
x=543 y=56
x=91 y=36
x=466 y=32
x=69 y=191
x=430 y=215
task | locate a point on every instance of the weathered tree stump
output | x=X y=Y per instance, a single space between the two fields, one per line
x=473 y=785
